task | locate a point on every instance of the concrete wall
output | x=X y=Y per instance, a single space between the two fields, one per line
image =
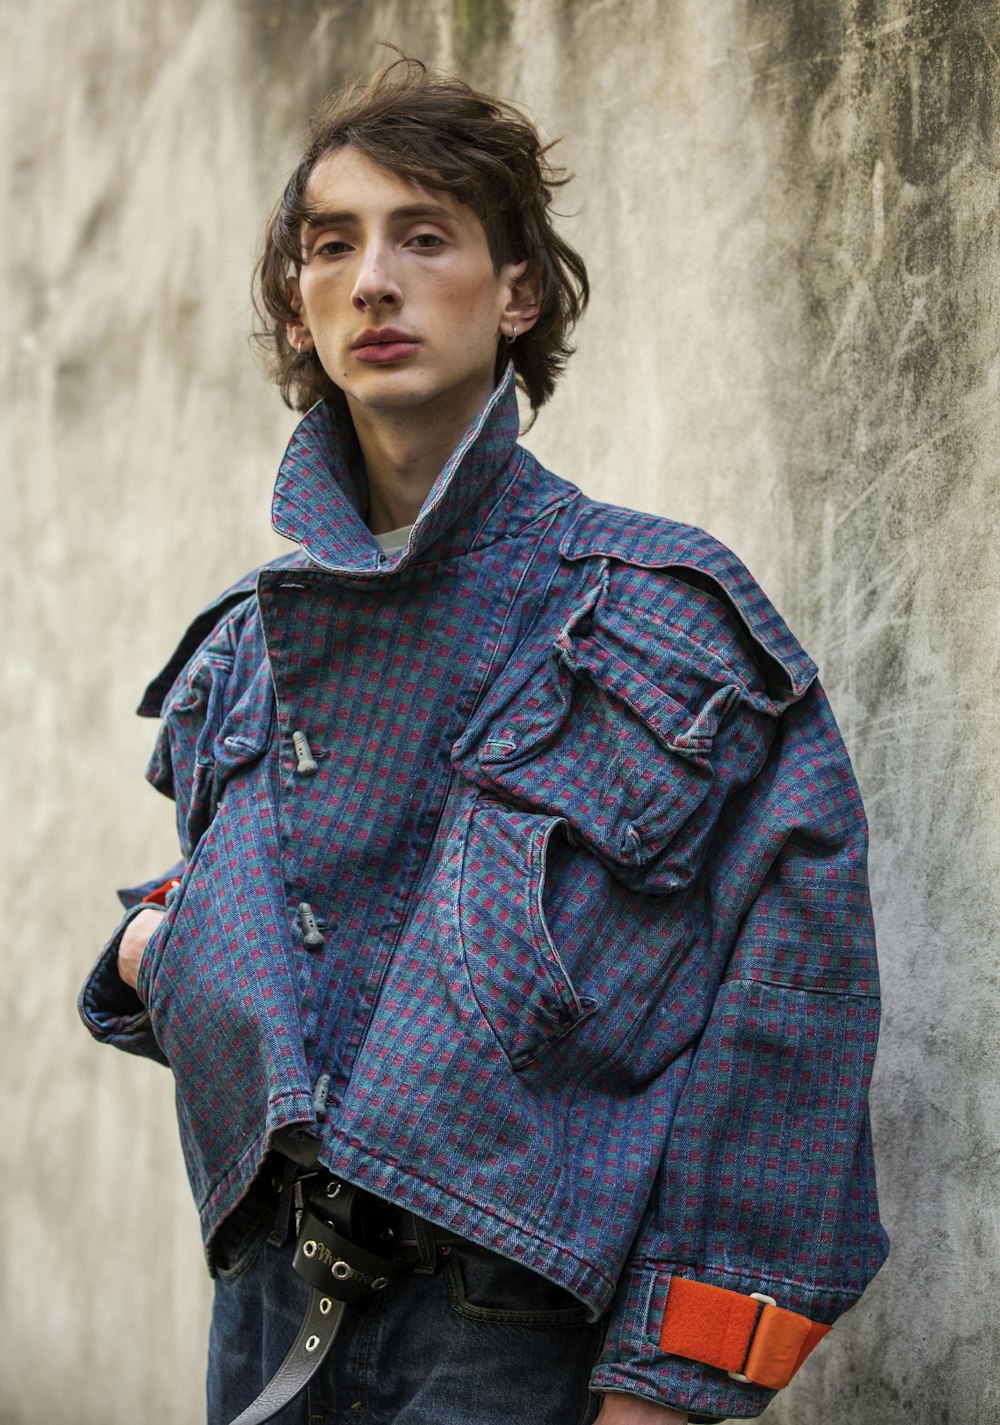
x=789 y=212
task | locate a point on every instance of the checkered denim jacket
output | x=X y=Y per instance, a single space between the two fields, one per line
x=594 y=981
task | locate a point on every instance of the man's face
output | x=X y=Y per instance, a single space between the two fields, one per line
x=398 y=293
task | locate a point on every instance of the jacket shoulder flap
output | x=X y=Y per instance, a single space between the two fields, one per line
x=692 y=557
x=201 y=628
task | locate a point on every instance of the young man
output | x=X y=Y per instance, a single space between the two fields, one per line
x=520 y=961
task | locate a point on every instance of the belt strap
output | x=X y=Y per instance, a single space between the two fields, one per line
x=749 y=1336
x=332 y=1264
x=309 y=1350
x=338 y=1272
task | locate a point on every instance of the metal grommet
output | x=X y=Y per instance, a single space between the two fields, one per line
x=325 y=1306
x=380 y=1283
x=332 y=1189
x=445 y=1249
x=309 y=1248
x=340 y=1271
x=312 y=1343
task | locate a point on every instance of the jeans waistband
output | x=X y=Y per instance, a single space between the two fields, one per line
x=375 y=1223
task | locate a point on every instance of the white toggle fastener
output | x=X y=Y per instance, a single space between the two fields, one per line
x=306 y=761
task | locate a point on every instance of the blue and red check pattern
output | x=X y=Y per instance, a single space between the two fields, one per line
x=597 y=986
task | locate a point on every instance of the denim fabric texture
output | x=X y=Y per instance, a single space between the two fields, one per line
x=481 y=1339
x=597 y=985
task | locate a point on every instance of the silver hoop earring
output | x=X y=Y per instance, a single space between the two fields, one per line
x=513 y=335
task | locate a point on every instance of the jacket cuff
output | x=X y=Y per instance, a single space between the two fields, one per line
x=633 y=1363
x=111 y=1009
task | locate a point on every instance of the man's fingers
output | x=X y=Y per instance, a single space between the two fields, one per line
x=133 y=943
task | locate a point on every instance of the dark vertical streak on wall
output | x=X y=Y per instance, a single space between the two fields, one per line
x=883 y=241
x=481 y=27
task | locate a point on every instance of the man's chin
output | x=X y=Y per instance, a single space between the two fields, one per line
x=389 y=389
x=394 y=398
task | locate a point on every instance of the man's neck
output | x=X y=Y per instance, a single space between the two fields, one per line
x=404 y=452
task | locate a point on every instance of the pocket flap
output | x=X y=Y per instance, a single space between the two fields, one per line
x=246 y=732
x=589 y=739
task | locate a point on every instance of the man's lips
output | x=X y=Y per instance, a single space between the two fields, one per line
x=386 y=344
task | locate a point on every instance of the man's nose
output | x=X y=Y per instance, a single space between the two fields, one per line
x=377 y=284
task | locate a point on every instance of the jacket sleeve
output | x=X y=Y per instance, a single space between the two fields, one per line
x=767 y=1183
x=182 y=767
x=110 y=1008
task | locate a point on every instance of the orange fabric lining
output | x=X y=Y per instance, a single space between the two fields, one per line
x=721 y=1328
x=159 y=896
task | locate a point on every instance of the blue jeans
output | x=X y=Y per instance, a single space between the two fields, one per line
x=479 y=1341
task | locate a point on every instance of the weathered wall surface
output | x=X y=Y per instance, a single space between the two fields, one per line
x=789 y=212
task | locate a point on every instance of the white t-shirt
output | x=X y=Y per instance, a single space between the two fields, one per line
x=394 y=539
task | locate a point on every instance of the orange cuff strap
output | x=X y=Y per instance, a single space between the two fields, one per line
x=159 y=896
x=746 y=1335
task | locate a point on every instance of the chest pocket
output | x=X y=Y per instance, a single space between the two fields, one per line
x=581 y=733
x=203 y=744
x=245 y=734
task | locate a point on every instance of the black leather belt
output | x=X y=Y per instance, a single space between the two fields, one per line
x=350 y=1244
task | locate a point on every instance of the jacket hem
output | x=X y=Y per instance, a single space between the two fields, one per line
x=284 y=1110
x=557 y=1261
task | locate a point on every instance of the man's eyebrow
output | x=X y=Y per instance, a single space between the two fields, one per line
x=317 y=219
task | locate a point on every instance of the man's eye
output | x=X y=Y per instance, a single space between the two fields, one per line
x=426 y=240
x=331 y=248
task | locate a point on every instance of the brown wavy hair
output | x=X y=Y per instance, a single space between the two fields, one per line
x=438 y=132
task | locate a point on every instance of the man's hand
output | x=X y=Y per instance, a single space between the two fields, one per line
x=133 y=942
x=632 y=1410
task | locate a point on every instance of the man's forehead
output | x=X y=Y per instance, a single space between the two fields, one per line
x=346 y=180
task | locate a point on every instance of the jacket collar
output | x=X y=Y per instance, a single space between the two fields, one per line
x=321 y=493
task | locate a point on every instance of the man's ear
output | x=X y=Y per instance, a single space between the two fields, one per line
x=297 y=331
x=524 y=299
